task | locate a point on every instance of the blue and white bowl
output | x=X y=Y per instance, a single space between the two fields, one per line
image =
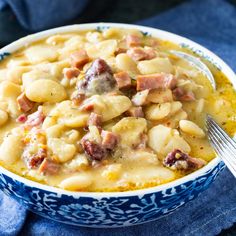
x=112 y=209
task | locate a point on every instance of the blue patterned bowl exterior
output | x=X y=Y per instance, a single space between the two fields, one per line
x=106 y=211
x=112 y=209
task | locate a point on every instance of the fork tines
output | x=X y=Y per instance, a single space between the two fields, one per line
x=223 y=145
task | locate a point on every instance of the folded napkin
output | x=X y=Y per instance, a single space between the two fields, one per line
x=48 y=14
x=213 y=24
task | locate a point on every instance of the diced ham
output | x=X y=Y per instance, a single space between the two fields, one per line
x=35 y=118
x=70 y=73
x=182 y=95
x=123 y=79
x=133 y=40
x=109 y=140
x=98 y=79
x=49 y=167
x=78 y=99
x=33 y=161
x=95 y=119
x=79 y=58
x=140 y=98
x=24 y=103
x=179 y=160
x=21 y=118
x=87 y=107
x=93 y=150
x=139 y=54
x=135 y=112
x=155 y=81
x=120 y=50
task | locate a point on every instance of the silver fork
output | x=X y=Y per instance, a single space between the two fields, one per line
x=224 y=146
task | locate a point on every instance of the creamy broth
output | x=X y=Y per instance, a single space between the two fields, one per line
x=107 y=111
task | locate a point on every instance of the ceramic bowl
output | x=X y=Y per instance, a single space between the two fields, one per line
x=117 y=208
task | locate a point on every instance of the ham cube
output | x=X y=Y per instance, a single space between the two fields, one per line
x=95 y=119
x=135 y=112
x=182 y=95
x=133 y=40
x=123 y=79
x=24 y=103
x=155 y=81
x=139 y=54
x=109 y=140
x=49 y=167
x=79 y=59
x=70 y=73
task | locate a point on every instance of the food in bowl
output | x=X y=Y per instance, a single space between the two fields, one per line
x=110 y=110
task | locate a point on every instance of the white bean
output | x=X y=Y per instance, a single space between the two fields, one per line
x=45 y=91
x=78 y=182
x=191 y=128
x=3 y=117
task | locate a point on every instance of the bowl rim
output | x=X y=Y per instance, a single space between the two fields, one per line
x=162 y=34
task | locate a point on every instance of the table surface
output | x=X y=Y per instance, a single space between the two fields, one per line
x=100 y=11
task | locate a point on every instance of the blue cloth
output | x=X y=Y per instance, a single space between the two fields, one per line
x=49 y=13
x=213 y=24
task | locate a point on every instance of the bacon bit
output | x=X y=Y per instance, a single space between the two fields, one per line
x=139 y=54
x=155 y=81
x=24 y=103
x=79 y=58
x=140 y=98
x=95 y=119
x=70 y=73
x=87 y=107
x=21 y=118
x=179 y=160
x=78 y=99
x=182 y=95
x=135 y=112
x=109 y=140
x=36 y=118
x=33 y=161
x=123 y=79
x=98 y=79
x=93 y=150
x=120 y=50
x=133 y=40
x=49 y=167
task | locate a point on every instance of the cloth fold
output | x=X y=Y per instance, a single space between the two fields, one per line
x=49 y=13
x=211 y=23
